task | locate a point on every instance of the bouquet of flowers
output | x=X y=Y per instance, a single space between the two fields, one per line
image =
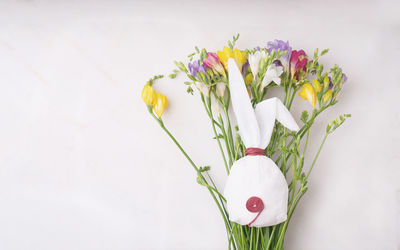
x=264 y=159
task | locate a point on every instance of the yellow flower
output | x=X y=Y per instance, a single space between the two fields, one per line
x=317 y=85
x=240 y=58
x=160 y=103
x=226 y=53
x=327 y=81
x=307 y=92
x=327 y=96
x=148 y=94
x=248 y=79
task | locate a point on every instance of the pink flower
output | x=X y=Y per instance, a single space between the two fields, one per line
x=212 y=62
x=298 y=62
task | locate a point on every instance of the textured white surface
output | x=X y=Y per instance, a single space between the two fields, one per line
x=82 y=165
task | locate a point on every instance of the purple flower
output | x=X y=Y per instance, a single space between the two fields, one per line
x=200 y=71
x=245 y=68
x=203 y=69
x=283 y=46
x=194 y=68
x=344 y=78
x=277 y=63
x=330 y=83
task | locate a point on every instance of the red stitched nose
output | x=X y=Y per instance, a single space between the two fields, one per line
x=254 y=205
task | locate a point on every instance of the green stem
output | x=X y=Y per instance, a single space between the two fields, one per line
x=209 y=112
x=282 y=232
x=230 y=134
x=316 y=156
x=224 y=216
x=272 y=237
x=226 y=140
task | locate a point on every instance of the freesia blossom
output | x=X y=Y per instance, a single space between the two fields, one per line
x=308 y=92
x=212 y=61
x=282 y=46
x=248 y=79
x=328 y=82
x=203 y=88
x=240 y=58
x=203 y=74
x=317 y=85
x=220 y=89
x=216 y=106
x=298 y=62
x=160 y=104
x=254 y=61
x=327 y=96
x=199 y=71
x=272 y=74
x=148 y=94
x=194 y=68
x=226 y=53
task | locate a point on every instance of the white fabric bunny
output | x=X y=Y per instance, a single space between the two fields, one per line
x=256 y=190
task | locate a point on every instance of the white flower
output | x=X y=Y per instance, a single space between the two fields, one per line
x=272 y=75
x=203 y=88
x=220 y=89
x=254 y=61
x=216 y=106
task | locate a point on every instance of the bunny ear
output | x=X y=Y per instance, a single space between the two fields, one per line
x=285 y=117
x=269 y=110
x=266 y=113
x=242 y=107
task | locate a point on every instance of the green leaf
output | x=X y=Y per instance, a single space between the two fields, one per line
x=304 y=116
x=201 y=181
x=172 y=76
x=181 y=66
x=190 y=90
x=324 y=52
x=316 y=53
x=333 y=125
x=204 y=169
x=191 y=77
x=219 y=136
x=230 y=44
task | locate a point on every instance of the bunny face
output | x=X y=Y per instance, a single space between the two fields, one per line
x=256 y=190
x=256 y=176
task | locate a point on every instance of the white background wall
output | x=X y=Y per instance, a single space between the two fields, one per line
x=83 y=166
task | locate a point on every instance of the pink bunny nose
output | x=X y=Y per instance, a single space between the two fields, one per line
x=254 y=205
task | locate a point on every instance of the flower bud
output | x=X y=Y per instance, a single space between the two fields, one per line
x=327 y=96
x=248 y=79
x=148 y=94
x=220 y=89
x=326 y=82
x=317 y=85
x=161 y=102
